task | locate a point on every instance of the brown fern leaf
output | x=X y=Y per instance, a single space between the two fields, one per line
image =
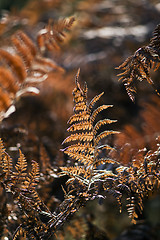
x=33 y=178
x=2 y=151
x=100 y=123
x=94 y=100
x=22 y=66
x=21 y=167
x=23 y=189
x=79 y=117
x=79 y=136
x=79 y=147
x=137 y=66
x=7 y=165
x=86 y=144
x=98 y=110
x=24 y=45
x=103 y=135
x=139 y=181
x=53 y=33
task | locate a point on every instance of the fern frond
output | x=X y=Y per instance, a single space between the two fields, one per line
x=80 y=148
x=103 y=135
x=100 y=175
x=98 y=110
x=37 y=202
x=21 y=167
x=137 y=66
x=82 y=116
x=79 y=136
x=21 y=66
x=2 y=151
x=86 y=125
x=81 y=106
x=155 y=40
x=27 y=42
x=100 y=123
x=94 y=100
x=23 y=49
x=53 y=33
x=85 y=151
x=33 y=178
x=7 y=164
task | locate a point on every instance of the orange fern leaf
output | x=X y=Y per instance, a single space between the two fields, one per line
x=137 y=66
x=54 y=32
x=33 y=178
x=86 y=150
x=21 y=167
x=7 y=164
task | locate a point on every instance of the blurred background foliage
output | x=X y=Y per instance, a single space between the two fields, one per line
x=9 y=4
x=105 y=33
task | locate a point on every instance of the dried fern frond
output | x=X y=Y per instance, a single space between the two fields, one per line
x=139 y=181
x=22 y=65
x=22 y=185
x=137 y=66
x=49 y=37
x=21 y=167
x=84 y=142
x=33 y=178
x=7 y=165
x=2 y=150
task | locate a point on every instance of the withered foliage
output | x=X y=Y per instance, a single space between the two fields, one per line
x=137 y=181
x=86 y=149
x=95 y=165
x=53 y=33
x=23 y=64
x=138 y=66
x=23 y=185
x=87 y=178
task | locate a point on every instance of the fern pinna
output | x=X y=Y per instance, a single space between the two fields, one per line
x=85 y=139
x=137 y=66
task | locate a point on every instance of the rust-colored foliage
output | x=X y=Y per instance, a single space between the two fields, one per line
x=53 y=33
x=137 y=66
x=86 y=148
x=23 y=188
x=23 y=65
x=139 y=181
x=39 y=196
